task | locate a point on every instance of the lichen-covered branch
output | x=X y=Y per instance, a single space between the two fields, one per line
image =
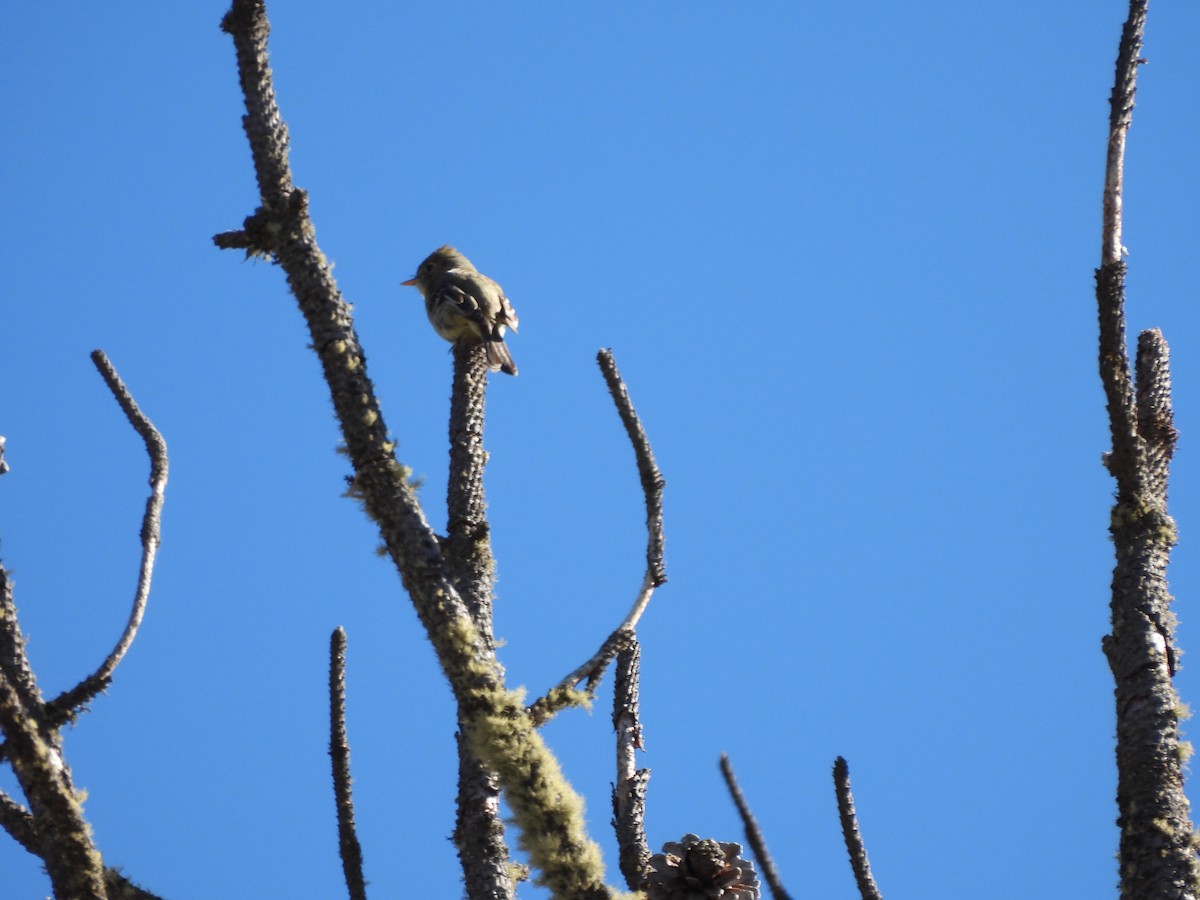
x=867 y=888
x=479 y=828
x=495 y=724
x=546 y=809
x=18 y=823
x=1158 y=841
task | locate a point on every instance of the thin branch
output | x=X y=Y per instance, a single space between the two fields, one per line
x=629 y=792
x=1110 y=278
x=339 y=752
x=564 y=694
x=652 y=480
x=63 y=706
x=853 y=837
x=1155 y=417
x=1129 y=57
x=467 y=546
x=754 y=835
x=16 y=820
x=14 y=664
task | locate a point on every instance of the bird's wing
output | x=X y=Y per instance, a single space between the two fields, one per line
x=455 y=311
x=507 y=315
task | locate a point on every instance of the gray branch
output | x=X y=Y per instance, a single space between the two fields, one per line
x=850 y=833
x=1158 y=843
x=754 y=835
x=564 y=694
x=65 y=705
x=629 y=792
x=339 y=754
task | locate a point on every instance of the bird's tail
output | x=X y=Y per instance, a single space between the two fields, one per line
x=499 y=358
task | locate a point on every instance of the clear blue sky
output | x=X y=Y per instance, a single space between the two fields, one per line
x=843 y=254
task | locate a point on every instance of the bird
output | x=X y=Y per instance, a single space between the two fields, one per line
x=464 y=304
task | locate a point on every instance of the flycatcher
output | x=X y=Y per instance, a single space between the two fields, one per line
x=462 y=303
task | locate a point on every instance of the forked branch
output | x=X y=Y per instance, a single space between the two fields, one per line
x=493 y=718
x=1158 y=841
x=564 y=694
x=53 y=827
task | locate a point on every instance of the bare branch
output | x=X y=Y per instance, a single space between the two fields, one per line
x=1157 y=850
x=651 y=477
x=468 y=543
x=1124 y=462
x=14 y=664
x=853 y=837
x=479 y=827
x=16 y=820
x=63 y=706
x=1155 y=418
x=629 y=792
x=1110 y=278
x=754 y=836
x=339 y=752
x=1120 y=118
x=65 y=842
x=564 y=694
x=121 y=888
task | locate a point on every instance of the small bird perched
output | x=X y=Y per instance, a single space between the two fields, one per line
x=464 y=303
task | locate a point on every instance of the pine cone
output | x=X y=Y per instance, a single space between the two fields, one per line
x=695 y=869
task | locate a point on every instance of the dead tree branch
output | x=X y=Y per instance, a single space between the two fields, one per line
x=53 y=827
x=479 y=828
x=629 y=792
x=564 y=694
x=339 y=752
x=66 y=704
x=651 y=478
x=494 y=722
x=63 y=839
x=850 y=833
x=1158 y=840
x=754 y=835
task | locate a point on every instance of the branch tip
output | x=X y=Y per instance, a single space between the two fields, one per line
x=850 y=833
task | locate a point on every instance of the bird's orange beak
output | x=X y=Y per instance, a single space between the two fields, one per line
x=410 y=283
